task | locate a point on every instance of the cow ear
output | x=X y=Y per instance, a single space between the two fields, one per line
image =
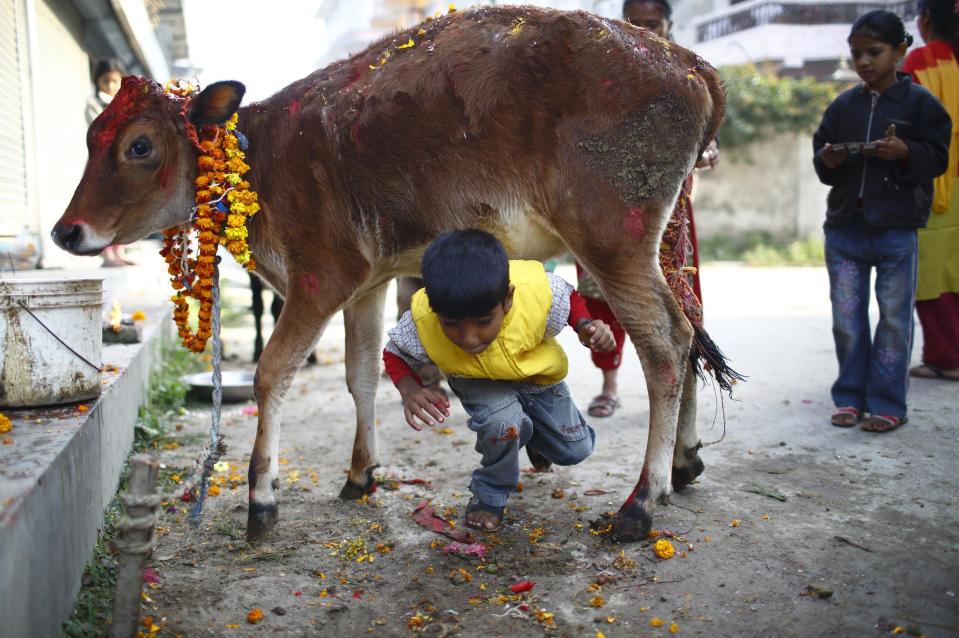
x=216 y=103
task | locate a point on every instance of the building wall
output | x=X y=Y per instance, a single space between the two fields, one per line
x=62 y=85
x=768 y=186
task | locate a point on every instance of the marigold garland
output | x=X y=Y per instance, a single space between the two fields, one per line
x=224 y=204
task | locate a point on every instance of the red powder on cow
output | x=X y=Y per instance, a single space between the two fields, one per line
x=634 y=222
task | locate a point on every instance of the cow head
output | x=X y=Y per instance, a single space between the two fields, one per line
x=141 y=168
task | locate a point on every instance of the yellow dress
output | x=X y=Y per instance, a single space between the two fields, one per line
x=934 y=67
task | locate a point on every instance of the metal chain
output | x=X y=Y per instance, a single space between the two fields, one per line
x=216 y=441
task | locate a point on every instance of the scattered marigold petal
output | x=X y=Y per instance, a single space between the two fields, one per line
x=656 y=622
x=255 y=616
x=664 y=549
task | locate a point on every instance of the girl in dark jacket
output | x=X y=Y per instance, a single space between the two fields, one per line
x=879 y=147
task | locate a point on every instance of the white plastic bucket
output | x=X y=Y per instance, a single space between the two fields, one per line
x=35 y=367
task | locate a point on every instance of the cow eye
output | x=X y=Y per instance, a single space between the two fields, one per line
x=140 y=148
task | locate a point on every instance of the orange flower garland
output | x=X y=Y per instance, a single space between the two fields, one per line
x=224 y=204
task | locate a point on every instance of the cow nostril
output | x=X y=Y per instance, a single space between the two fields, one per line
x=68 y=235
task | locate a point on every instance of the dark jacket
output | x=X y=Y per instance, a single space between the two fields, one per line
x=886 y=194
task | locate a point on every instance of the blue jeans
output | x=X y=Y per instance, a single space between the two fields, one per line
x=873 y=372
x=505 y=417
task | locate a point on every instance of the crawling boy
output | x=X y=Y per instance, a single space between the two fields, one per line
x=490 y=325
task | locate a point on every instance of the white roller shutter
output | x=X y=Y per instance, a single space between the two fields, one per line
x=14 y=214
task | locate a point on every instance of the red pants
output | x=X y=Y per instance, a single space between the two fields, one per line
x=940 y=331
x=599 y=309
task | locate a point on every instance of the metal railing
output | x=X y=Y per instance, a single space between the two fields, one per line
x=748 y=15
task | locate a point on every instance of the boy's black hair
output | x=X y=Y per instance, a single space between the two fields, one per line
x=662 y=4
x=943 y=19
x=106 y=66
x=466 y=274
x=881 y=25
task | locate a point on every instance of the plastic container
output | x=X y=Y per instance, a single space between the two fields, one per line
x=36 y=369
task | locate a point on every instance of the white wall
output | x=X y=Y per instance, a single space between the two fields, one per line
x=791 y=43
x=62 y=85
x=768 y=186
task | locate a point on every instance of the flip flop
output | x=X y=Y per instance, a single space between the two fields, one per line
x=845 y=417
x=926 y=371
x=880 y=423
x=603 y=405
x=476 y=505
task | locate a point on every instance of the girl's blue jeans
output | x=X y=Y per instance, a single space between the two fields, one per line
x=873 y=370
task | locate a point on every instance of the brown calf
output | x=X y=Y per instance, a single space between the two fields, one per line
x=552 y=130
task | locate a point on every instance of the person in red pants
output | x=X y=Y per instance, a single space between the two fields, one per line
x=937 y=295
x=655 y=15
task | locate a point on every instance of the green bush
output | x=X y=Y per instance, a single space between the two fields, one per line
x=760 y=105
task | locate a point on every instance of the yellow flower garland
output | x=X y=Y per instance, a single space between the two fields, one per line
x=224 y=204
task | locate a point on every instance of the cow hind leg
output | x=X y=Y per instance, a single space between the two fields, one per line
x=364 y=327
x=663 y=338
x=618 y=192
x=686 y=462
x=304 y=317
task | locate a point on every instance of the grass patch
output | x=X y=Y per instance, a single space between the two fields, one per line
x=760 y=249
x=93 y=609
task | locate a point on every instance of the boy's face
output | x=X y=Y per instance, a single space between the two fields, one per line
x=109 y=82
x=474 y=334
x=650 y=16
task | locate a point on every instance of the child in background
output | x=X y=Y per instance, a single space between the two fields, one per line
x=490 y=325
x=879 y=146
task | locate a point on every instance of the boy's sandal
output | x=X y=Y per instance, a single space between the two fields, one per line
x=603 y=405
x=540 y=462
x=476 y=505
x=926 y=371
x=845 y=417
x=881 y=423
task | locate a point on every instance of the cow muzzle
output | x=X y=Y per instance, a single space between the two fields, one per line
x=78 y=238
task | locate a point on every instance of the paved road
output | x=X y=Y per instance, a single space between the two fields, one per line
x=873 y=518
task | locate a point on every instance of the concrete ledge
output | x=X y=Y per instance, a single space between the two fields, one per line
x=56 y=480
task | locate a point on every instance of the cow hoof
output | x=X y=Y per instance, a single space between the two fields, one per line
x=260 y=520
x=683 y=476
x=631 y=525
x=353 y=492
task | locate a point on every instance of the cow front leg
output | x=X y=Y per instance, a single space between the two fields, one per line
x=364 y=329
x=686 y=462
x=301 y=323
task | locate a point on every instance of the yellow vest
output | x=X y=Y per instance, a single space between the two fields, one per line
x=519 y=353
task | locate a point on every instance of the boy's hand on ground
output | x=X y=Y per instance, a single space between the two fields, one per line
x=597 y=336
x=831 y=157
x=428 y=405
x=890 y=149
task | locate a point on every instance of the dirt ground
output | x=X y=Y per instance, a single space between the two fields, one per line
x=862 y=539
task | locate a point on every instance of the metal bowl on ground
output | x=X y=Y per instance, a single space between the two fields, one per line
x=237 y=385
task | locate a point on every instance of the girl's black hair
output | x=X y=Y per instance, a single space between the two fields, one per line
x=943 y=19
x=881 y=25
x=662 y=4
x=106 y=66
x=466 y=274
